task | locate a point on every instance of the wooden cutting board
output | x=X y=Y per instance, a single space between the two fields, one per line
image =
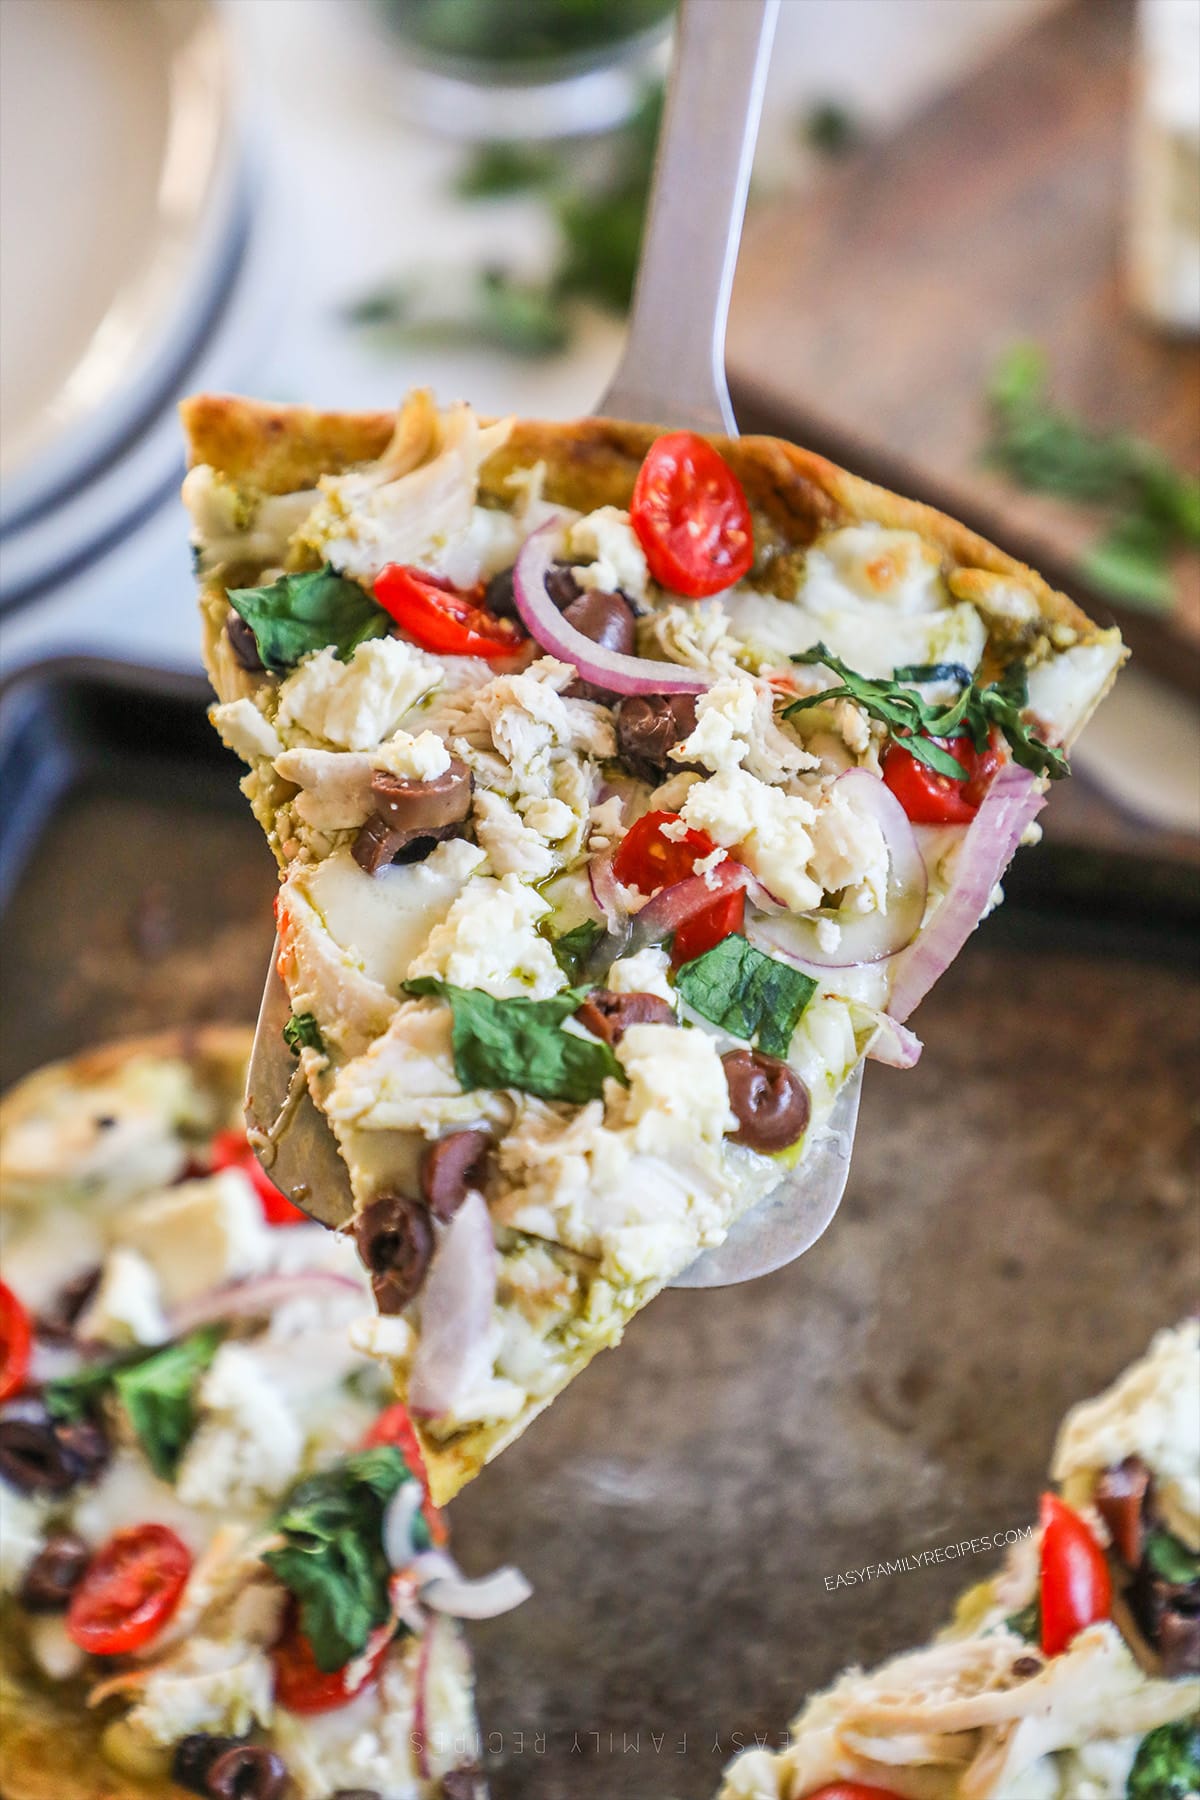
x=869 y=313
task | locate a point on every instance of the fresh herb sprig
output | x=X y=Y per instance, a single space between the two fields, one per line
x=521 y=1043
x=1154 y=507
x=914 y=721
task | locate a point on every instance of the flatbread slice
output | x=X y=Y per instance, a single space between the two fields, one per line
x=732 y=826
x=192 y=1376
x=990 y=1711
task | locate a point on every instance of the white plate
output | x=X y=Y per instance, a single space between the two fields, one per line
x=118 y=162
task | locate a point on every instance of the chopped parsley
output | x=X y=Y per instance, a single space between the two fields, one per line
x=301 y=613
x=914 y=721
x=303 y=1033
x=746 y=993
x=521 y=1043
x=332 y=1558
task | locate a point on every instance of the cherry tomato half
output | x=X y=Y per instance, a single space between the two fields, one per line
x=441 y=617
x=706 y=928
x=16 y=1336
x=932 y=799
x=132 y=1586
x=302 y=1687
x=395 y=1427
x=1076 y=1585
x=229 y=1150
x=691 y=517
x=852 y=1790
x=649 y=859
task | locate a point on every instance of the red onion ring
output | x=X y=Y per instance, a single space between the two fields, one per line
x=456 y=1309
x=259 y=1297
x=1010 y=804
x=604 y=668
x=445 y=1589
x=866 y=937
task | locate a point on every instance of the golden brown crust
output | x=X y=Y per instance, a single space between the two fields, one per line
x=592 y=462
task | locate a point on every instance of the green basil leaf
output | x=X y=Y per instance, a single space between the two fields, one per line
x=521 y=1044
x=332 y=1559
x=71 y=1397
x=158 y=1394
x=1167 y=1764
x=1171 y=1559
x=924 y=672
x=573 y=948
x=747 y=994
x=301 y=613
x=303 y=1033
x=912 y=722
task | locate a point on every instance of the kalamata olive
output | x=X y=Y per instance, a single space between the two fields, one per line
x=243 y=643
x=499 y=597
x=247 y=1772
x=444 y=799
x=648 y=725
x=608 y=620
x=451 y=1165
x=195 y=1755
x=74 y=1295
x=770 y=1100
x=55 y=1573
x=395 y=1240
x=358 y=1794
x=39 y=1455
x=561 y=585
x=1121 y=1497
x=607 y=1015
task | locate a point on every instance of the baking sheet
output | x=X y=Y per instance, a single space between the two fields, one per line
x=1021 y=1215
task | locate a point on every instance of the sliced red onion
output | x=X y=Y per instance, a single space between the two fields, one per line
x=606 y=892
x=865 y=937
x=608 y=669
x=894 y=1044
x=445 y=1588
x=259 y=1297
x=403 y=1510
x=456 y=1309
x=671 y=906
x=1011 y=803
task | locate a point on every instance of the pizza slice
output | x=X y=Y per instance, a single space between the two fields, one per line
x=1075 y=1673
x=220 y=1570
x=628 y=790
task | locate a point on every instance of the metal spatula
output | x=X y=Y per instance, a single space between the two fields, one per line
x=673 y=374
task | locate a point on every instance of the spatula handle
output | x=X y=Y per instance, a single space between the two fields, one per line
x=673 y=368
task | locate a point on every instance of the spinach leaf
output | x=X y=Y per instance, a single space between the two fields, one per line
x=301 y=613
x=303 y=1033
x=156 y=1386
x=1170 y=1559
x=158 y=1394
x=332 y=1559
x=746 y=993
x=573 y=948
x=914 y=722
x=1167 y=1765
x=521 y=1044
